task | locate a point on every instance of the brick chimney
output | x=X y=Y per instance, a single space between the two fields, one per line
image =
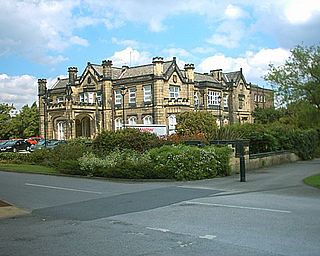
x=217 y=74
x=107 y=69
x=42 y=86
x=72 y=75
x=189 y=68
x=157 y=66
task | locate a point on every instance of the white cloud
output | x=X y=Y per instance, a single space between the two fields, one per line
x=299 y=12
x=130 y=57
x=228 y=34
x=233 y=12
x=176 y=52
x=254 y=65
x=20 y=90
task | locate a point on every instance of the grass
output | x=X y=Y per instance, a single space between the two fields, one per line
x=27 y=168
x=313 y=181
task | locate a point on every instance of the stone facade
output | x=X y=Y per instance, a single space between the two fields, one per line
x=84 y=105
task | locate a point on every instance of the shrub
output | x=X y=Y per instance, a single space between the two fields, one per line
x=69 y=167
x=128 y=164
x=187 y=163
x=108 y=141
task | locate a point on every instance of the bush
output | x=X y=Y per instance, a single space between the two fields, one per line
x=108 y=141
x=188 y=163
x=128 y=164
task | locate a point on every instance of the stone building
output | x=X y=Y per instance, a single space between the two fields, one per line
x=103 y=96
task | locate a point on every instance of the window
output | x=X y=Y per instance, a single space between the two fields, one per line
x=147 y=93
x=90 y=97
x=61 y=130
x=255 y=97
x=118 y=123
x=99 y=97
x=225 y=101
x=132 y=95
x=60 y=99
x=241 y=101
x=132 y=120
x=213 y=98
x=118 y=97
x=147 y=120
x=172 y=124
x=174 y=91
x=87 y=97
x=196 y=99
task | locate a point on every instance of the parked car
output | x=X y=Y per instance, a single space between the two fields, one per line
x=15 y=146
x=50 y=144
x=34 y=140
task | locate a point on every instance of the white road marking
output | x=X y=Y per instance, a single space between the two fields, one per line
x=238 y=207
x=61 y=188
x=210 y=237
x=159 y=229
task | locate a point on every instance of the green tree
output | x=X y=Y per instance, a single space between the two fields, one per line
x=268 y=115
x=197 y=122
x=27 y=121
x=5 y=120
x=299 y=78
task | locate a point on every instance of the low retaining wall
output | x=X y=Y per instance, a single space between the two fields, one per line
x=263 y=160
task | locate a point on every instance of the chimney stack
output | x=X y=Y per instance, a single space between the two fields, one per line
x=107 y=69
x=72 y=75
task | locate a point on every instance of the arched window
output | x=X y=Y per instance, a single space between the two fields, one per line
x=118 y=123
x=147 y=120
x=172 y=124
x=196 y=100
x=132 y=120
x=61 y=130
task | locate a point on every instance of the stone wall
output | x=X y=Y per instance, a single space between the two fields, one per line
x=262 y=160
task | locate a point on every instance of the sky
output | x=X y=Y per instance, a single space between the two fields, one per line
x=42 y=38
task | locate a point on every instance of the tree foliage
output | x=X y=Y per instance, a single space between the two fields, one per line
x=24 y=124
x=268 y=115
x=197 y=122
x=299 y=78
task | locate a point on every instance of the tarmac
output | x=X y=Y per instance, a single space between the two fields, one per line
x=287 y=177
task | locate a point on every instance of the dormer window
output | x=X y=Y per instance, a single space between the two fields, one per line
x=174 y=91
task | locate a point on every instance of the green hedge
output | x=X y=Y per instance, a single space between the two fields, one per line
x=108 y=141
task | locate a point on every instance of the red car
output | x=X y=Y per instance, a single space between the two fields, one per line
x=34 y=140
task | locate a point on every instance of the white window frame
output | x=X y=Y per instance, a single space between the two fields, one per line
x=118 y=123
x=61 y=130
x=132 y=95
x=99 y=97
x=174 y=91
x=213 y=98
x=172 y=122
x=225 y=101
x=117 y=97
x=60 y=99
x=196 y=99
x=132 y=120
x=147 y=93
x=148 y=120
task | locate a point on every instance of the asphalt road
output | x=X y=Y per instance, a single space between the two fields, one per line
x=273 y=213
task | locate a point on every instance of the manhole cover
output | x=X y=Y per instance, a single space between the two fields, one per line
x=3 y=204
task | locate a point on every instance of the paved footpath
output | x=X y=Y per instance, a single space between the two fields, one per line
x=273 y=213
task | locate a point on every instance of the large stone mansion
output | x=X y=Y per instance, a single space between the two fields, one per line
x=104 y=97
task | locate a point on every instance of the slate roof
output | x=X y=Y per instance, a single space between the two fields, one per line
x=235 y=76
x=61 y=83
x=198 y=77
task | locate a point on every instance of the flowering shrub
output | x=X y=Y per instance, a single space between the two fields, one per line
x=188 y=163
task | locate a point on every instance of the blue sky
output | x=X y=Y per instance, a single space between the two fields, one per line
x=41 y=39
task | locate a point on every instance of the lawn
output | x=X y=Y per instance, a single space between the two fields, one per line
x=313 y=181
x=27 y=168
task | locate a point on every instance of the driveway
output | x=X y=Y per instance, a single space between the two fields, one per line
x=273 y=213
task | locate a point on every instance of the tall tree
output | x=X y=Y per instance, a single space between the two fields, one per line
x=299 y=78
x=5 y=120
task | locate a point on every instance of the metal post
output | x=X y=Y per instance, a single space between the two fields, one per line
x=123 y=93
x=45 y=119
x=242 y=162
